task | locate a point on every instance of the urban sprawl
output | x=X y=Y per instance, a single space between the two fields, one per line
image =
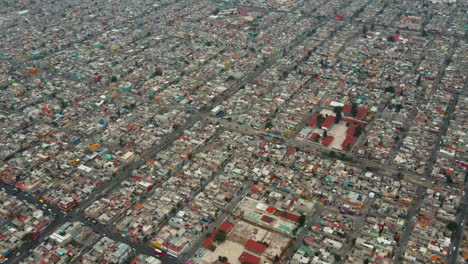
x=237 y=131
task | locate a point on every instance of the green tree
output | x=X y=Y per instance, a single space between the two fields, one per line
x=354 y=109
x=338 y=117
x=418 y=81
x=302 y=220
x=223 y=259
x=317 y=138
x=221 y=236
x=449 y=179
x=337 y=257
x=358 y=131
x=453 y=227
x=390 y=89
x=364 y=29
x=337 y=110
x=27 y=237
x=398 y=108
x=400 y=176
x=320 y=120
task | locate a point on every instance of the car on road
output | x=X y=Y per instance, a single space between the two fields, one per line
x=159 y=252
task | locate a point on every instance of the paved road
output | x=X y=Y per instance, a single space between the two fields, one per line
x=409 y=224
x=105 y=189
x=220 y=219
x=61 y=217
x=58 y=216
x=359 y=223
x=76 y=214
x=312 y=217
x=457 y=238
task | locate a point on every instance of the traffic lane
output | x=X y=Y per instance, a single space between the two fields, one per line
x=24 y=251
x=455 y=245
x=110 y=232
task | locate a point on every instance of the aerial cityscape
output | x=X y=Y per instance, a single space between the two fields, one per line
x=233 y=131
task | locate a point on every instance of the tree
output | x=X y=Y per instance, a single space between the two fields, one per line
x=366 y=261
x=390 y=89
x=364 y=29
x=453 y=227
x=62 y=104
x=302 y=220
x=157 y=72
x=264 y=243
x=114 y=79
x=424 y=33
x=337 y=257
x=337 y=110
x=398 y=108
x=400 y=176
x=391 y=38
x=220 y=236
x=338 y=117
x=317 y=138
x=449 y=179
x=354 y=109
x=320 y=120
x=27 y=237
x=223 y=259
x=418 y=81
x=358 y=131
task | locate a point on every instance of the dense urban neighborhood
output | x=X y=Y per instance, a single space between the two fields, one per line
x=233 y=131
